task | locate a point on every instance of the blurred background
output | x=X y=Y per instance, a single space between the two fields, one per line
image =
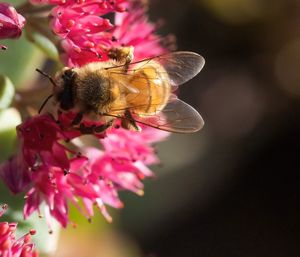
x=232 y=189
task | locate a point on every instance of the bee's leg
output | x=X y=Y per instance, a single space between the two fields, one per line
x=129 y=57
x=78 y=118
x=128 y=121
x=86 y=130
x=122 y=55
x=102 y=128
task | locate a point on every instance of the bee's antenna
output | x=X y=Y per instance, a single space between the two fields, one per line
x=52 y=82
x=44 y=103
x=47 y=76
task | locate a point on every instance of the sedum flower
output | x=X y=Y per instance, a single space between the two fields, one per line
x=85 y=34
x=88 y=36
x=41 y=143
x=11 y=22
x=15 y=174
x=50 y=173
x=51 y=168
x=133 y=28
x=12 y=247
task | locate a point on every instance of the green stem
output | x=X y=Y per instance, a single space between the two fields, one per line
x=29 y=9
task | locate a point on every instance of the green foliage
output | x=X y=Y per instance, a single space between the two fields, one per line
x=7 y=92
x=20 y=60
x=9 y=119
x=43 y=43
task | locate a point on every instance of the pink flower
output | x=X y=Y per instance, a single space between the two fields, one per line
x=133 y=29
x=41 y=143
x=15 y=174
x=52 y=174
x=88 y=37
x=84 y=32
x=12 y=247
x=11 y=22
x=52 y=168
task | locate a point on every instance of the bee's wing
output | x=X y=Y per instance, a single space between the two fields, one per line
x=130 y=88
x=179 y=66
x=177 y=116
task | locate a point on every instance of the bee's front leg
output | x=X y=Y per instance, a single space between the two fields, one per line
x=77 y=119
x=86 y=130
x=94 y=129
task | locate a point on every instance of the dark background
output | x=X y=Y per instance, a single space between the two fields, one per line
x=232 y=189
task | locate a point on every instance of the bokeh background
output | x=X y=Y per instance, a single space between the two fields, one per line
x=232 y=189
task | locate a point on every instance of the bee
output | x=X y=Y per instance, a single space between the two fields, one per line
x=139 y=92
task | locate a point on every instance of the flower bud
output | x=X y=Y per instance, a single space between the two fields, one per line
x=11 y=22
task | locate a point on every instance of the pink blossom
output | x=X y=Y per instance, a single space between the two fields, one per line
x=133 y=29
x=40 y=143
x=88 y=37
x=85 y=33
x=15 y=174
x=79 y=2
x=11 y=22
x=47 y=169
x=52 y=174
x=12 y=247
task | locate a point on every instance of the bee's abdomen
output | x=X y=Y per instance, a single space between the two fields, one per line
x=154 y=89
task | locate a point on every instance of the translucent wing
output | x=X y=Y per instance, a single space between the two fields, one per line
x=178 y=67
x=154 y=79
x=177 y=116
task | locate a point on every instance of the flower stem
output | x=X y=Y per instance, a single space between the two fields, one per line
x=29 y=9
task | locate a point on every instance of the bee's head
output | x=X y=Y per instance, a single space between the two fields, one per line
x=64 y=89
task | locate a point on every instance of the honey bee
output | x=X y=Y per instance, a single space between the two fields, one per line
x=138 y=92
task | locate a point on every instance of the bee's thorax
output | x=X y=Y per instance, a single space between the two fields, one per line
x=92 y=92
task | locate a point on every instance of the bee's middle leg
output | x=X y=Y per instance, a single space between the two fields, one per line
x=128 y=121
x=102 y=128
x=94 y=129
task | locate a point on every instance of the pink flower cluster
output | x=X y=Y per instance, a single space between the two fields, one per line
x=12 y=247
x=88 y=37
x=47 y=168
x=52 y=173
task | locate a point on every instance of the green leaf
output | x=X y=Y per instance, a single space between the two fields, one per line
x=43 y=43
x=7 y=92
x=9 y=119
x=19 y=61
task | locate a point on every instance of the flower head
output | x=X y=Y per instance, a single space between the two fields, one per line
x=50 y=173
x=87 y=35
x=134 y=29
x=54 y=167
x=40 y=143
x=12 y=247
x=15 y=174
x=11 y=22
